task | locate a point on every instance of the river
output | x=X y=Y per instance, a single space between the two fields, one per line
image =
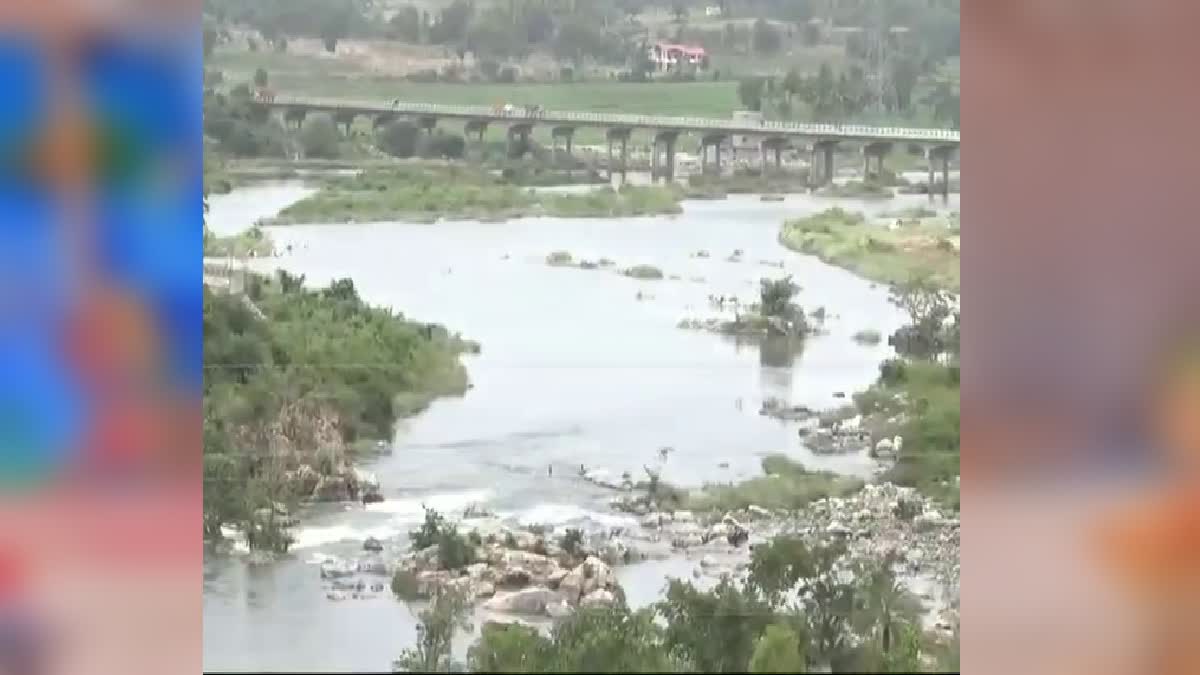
x=575 y=369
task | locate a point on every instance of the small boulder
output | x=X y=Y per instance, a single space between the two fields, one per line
x=525 y=601
x=372 y=544
x=598 y=598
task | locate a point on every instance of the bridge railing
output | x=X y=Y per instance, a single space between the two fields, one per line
x=857 y=131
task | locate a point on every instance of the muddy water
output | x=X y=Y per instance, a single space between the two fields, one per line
x=575 y=369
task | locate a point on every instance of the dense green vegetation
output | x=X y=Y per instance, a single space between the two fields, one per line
x=309 y=372
x=427 y=193
x=921 y=388
x=877 y=251
x=786 y=485
x=864 y=622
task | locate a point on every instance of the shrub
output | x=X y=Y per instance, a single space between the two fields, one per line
x=399 y=139
x=644 y=272
x=405 y=585
x=571 y=542
x=559 y=259
x=320 y=137
x=868 y=337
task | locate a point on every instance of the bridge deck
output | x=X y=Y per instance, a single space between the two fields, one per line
x=573 y=118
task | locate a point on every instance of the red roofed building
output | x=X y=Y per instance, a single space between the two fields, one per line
x=668 y=56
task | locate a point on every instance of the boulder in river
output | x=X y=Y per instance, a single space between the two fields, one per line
x=372 y=544
x=525 y=601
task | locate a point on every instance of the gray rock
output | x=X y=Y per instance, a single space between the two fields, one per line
x=525 y=601
x=372 y=544
x=598 y=598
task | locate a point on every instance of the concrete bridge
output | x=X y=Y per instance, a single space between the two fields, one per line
x=821 y=139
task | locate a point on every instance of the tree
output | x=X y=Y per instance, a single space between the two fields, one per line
x=713 y=632
x=608 y=640
x=750 y=92
x=775 y=296
x=260 y=77
x=787 y=563
x=452 y=22
x=905 y=71
x=445 y=146
x=399 y=139
x=509 y=648
x=927 y=335
x=320 y=137
x=766 y=37
x=448 y=613
x=405 y=24
x=778 y=651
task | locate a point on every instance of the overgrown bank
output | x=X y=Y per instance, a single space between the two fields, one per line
x=425 y=193
x=887 y=252
x=295 y=379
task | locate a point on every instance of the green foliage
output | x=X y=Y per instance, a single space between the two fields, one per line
x=644 y=272
x=430 y=192
x=607 y=640
x=779 y=650
x=443 y=145
x=571 y=542
x=767 y=39
x=510 y=648
x=775 y=297
x=928 y=334
x=258 y=364
x=405 y=585
x=892 y=256
x=713 y=632
x=448 y=613
x=399 y=139
x=241 y=126
x=320 y=137
x=260 y=77
x=750 y=92
x=786 y=486
x=455 y=551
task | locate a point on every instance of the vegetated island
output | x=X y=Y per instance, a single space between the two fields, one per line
x=886 y=251
x=428 y=194
x=296 y=380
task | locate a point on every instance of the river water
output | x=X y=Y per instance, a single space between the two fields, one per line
x=575 y=369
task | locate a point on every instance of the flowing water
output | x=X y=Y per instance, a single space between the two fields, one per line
x=575 y=370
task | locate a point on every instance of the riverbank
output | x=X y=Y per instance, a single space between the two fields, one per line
x=428 y=194
x=296 y=380
x=880 y=250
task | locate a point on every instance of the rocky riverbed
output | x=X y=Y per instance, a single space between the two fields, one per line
x=525 y=572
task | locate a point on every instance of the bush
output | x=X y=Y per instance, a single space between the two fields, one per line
x=444 y=145
x=399 y=139
x=644 y=272
x=560 y=259
x=868 y=337
x=510 y=541
x=454 y=550
x=571 y=542
x=320 y=137
x=405 y=585
x=507 y=75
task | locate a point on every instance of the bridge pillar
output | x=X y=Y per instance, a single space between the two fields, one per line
x=714 y=141
x=428 y=123
x=934 y=156
x=822 y=155
x=567 y=134
x=877 y=151
x=776 y=144
x=346 y=119
x=477 y=127
x=618 y=134
x=666 y=140
x=295 y=116
x=518 y=140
